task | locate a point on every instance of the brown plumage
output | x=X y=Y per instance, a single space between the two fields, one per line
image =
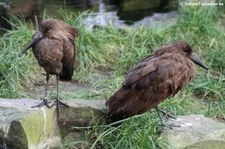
x=154 y=79
x=54 y=49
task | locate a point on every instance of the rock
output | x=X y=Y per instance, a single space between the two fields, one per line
x=79 y=117
x=24 y=127
x=194 y=131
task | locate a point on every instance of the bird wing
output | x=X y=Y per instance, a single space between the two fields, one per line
x=146 y=85
x=68 y=60
x=68 y=53
x=145 y=66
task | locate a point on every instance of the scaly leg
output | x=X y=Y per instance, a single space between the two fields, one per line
x=58 y=103
x=158 y=112
x=45 y=100
x=165 y=113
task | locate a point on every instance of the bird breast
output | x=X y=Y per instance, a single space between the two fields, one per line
x=49 y=54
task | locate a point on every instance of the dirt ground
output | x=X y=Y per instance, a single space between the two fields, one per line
x=67 y=90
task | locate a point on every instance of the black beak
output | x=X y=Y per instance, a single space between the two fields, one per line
x=197 y=61
x=35 y=39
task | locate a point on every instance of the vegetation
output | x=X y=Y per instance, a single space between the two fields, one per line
x=16 y=70
x=113 y=50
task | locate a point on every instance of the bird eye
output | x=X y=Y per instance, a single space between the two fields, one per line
x=47 y=29
x=187 y=50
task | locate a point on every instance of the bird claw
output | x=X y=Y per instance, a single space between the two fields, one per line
x=45 y=102
x=58 y=103
x=165 y=113
x=169 y=126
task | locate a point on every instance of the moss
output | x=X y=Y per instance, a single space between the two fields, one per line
x=18 y=140
x=30 y=133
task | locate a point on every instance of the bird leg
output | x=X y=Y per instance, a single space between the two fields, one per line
x=46 y=87
x=168 y=115
x=165 y=113
x=58 y=103
x=158 y=112
x=45 y=100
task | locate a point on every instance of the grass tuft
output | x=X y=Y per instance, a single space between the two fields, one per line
x=16 y=69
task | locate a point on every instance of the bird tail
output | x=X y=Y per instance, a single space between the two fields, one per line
x=116 y=119
x=66 y=75
x=123 y=104
x=68 y=67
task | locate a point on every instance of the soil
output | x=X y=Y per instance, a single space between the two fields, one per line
x=67 y=90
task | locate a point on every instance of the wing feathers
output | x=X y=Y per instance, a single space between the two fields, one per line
x=150 y=82
x=68 y=61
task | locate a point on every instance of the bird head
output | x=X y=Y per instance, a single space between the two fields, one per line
x=186 y=50
x=52 y=29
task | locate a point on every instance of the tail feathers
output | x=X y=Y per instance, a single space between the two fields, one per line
x=65 y=78
x=121 y=107
x=116 y=120
x=135 y=109
x=66 y=75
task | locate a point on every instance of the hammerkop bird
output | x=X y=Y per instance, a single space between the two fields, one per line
x=54 y=48
x=154 y=79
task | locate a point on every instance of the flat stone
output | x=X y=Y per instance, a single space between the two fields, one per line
x=193 y=131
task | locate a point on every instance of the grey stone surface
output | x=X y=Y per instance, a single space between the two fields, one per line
x=194 y=132
x=38 y=128
x=24 y=127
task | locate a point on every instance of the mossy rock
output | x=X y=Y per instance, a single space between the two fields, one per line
x=36 y=129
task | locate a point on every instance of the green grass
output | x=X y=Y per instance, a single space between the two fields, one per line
x=16 y=69
x=110 y=49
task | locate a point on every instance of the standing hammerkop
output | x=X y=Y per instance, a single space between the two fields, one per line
x=154 y=79
x=54 y=49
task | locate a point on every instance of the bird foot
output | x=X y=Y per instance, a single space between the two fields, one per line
x=166 y=113
x=45 y=102
x=58 y=104
x=169 y=126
